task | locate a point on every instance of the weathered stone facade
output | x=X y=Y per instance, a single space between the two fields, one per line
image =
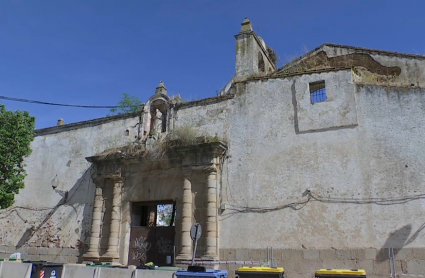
x=332 y=184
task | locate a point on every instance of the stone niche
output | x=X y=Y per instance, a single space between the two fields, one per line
x=188 y=177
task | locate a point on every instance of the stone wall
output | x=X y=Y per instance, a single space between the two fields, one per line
x=303 y=262
x=57 y=255
x=53 y=221
x=270 y=164
x=363 y=143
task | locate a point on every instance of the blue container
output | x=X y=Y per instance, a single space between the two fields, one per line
x=208 y=273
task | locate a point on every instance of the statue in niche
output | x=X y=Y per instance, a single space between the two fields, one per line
x=158 y=122
x=154 y=121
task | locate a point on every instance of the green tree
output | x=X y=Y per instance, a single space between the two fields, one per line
x=16 y=134
x=127 y=104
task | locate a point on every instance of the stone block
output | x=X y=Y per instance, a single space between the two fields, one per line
x=292 y=254
x=307 y=266
x=4 y=255
x=311 y=255
x=22 y=249
x=72 y=259
x=278 y=263
x=10 y=249
x=42 y=250
x=416 y=267
x=229 y=254
x=366 y=265
x=327 y=255
x=400 y=267
x=382 y=255
x=343 y=254
x=242 y=255
x=370 y=254
x=375 y=276
x=257 y=254
x=50 y=258
x=404 y=254
x=44 y=257
x=33 y=258
x=221 y=254
x=418 y=253
x=381 y=268
x=341 y=264
x=55 y=251
x=277 y=254
x=358 y=254
x=32 y=251
x=69 y=252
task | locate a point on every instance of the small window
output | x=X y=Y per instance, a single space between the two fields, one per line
x=153 y=214
x=318 y=92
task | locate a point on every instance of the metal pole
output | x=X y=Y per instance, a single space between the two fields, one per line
x=174 y=255
x=272 y=263
x=391 y=265
x=196 y=244
x=393 y=257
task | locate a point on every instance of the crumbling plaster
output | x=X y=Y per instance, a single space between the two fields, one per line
x=364 y=142
x=272 y=165
x=412 y=67
x=42 y=216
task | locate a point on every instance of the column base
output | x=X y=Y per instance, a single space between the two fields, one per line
x=210 y=258
x=109 y=257
x=183 y=257
x=91 y=256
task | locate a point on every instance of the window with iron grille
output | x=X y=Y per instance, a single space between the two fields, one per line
x=317 y=91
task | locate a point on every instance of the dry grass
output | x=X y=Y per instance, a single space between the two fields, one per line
x=272 y=55
x=184 y=136
x=132 y=149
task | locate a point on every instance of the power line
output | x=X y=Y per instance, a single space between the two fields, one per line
x=56 y=104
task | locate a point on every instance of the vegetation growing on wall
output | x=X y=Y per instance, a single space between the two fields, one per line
x=16 y=134
x=272 y=55
x=184 y=136
x=127 y=104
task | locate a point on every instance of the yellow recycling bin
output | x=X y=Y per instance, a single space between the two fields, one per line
x=340 y=273
x=260 y=272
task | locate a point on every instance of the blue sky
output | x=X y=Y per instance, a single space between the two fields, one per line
x=91 y=52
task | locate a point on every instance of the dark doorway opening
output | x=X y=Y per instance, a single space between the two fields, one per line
x=152 y=233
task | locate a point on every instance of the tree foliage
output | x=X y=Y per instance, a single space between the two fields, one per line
x=165 y=215
x=16 y=134
x=127 y=104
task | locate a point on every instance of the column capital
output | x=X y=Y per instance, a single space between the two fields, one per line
x=202 y=168
x=210 y=169
x=116 y=177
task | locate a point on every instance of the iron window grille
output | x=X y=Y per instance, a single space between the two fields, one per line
x=317 y=92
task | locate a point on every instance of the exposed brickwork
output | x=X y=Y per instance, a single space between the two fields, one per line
x=57 y=255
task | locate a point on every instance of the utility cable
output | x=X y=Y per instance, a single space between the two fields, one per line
x=56 y=104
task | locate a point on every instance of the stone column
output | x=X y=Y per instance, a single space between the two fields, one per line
x=93 y=253
x=112 y=254
x=211 y=225
x=186 y=241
